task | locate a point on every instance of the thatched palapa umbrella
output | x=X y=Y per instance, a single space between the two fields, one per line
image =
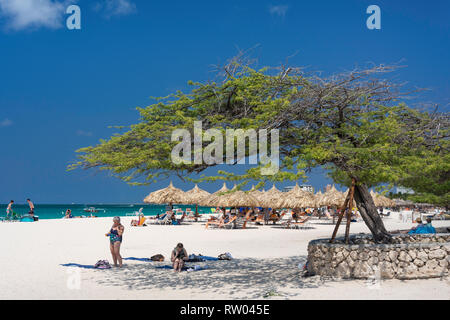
x=213 y=199
x=272 y=198
x=195 y=196
x=259 y=195
x=318 y=199
x=240 y=199
x=332 y=198
x=167 y=195
x=381 y=201
x=298 y=198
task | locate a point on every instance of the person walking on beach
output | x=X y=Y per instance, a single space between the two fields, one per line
x=179 y=256
x=31 y=204
x=9 y=208
x=115 y=239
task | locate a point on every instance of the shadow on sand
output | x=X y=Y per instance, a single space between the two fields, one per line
x=239 y=278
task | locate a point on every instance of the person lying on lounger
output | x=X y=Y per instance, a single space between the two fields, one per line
x=179 y=257
x=225 y=218
x=138 y=222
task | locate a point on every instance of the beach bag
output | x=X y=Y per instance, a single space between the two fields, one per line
x=102 y=264
x=225 y=256
x=157 y=257
x=194 y=258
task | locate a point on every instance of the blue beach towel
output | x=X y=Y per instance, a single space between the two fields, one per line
x=138 y=259
x=194 y=268
x=84 y=266
x=208 y=258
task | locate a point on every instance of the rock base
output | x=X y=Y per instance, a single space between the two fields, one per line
x=408 y=257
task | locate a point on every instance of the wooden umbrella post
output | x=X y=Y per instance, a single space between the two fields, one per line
x=341 y=215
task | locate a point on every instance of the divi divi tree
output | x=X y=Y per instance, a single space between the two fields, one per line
x=354 y=124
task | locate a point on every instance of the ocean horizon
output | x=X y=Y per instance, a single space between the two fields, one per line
x=57 y=211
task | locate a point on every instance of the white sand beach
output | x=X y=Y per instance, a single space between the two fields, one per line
x=266 y=261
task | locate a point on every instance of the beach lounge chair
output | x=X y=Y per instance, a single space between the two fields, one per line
x=277 y=219
x=241 y=222
x=220 y=224
x=160 y=220
x=286 y=223
x=191 y=216
x=300 y=224
x=167 y=219
x=230 y=224
x=259 y=218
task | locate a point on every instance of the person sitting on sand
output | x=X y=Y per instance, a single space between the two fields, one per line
x=115 y=239
x=179 y=257
x=420 y=228
x=429 y=227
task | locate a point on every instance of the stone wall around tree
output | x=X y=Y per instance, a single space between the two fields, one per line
x=408 y=257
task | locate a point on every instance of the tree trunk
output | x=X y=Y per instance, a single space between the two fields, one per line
x=370 y=215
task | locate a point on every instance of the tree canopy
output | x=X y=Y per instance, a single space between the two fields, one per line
x=354 y=124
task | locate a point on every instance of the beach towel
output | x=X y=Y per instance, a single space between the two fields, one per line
x=84 y=266
x=101 y=264
x=190 y=269
x=138 y=259
x=201 y=258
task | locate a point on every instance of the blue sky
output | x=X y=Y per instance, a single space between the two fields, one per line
x=60 y=89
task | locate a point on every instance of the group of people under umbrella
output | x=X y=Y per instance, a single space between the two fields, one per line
x=296 y=199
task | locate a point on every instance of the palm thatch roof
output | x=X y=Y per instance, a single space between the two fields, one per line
x=318 y=199
x=381 y=201
x=298 y=198
x=272 y=198
x=403 y=203
x=168 y=195
x=240 y=199
x=196 y=195
x=213 y=199
x=257 y=194
x=333 y=198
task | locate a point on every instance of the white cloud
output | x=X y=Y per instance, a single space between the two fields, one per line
x=6 y=123
x=84 y=133
x=115 y=7
x=278 y=10
x=23 y=14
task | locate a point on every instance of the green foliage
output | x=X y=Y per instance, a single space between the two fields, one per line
x=352 y=125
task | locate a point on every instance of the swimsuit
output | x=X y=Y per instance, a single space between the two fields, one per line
x=114 y=236
x=180 y=255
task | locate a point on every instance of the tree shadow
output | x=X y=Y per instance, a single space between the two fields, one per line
x=241 y=278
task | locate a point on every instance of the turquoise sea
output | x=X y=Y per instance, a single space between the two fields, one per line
x=56 y=211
